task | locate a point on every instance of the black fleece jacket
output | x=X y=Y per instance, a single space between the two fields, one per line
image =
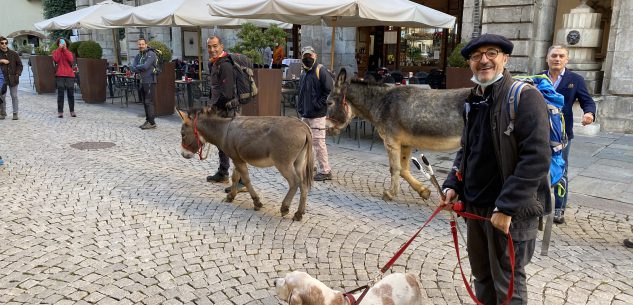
x=523 y=157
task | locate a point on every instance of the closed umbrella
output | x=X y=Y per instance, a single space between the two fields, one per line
x=344 y=13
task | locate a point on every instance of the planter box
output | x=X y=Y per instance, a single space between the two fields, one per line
x=93 y=79
x=458 y=78
x=165 y=95
x=43 y=73
x=268 y=99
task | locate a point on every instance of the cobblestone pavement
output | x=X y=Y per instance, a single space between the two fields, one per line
x=137 y=223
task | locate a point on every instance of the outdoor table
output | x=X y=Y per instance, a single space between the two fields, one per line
x=188 y=86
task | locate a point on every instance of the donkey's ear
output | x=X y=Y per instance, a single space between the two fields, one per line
x=184 y=116
x=341 y=77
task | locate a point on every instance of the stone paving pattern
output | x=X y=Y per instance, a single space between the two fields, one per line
x=138 y=224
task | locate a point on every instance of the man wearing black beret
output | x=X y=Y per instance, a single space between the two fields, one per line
x=500 y=172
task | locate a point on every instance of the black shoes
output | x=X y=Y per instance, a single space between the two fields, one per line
x=322 y=177
x=15 y=116
x=241 y=188
x=218 y=177
x=559 y=217
x=628 y=243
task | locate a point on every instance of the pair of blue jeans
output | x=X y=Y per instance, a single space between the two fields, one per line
x=561 y=201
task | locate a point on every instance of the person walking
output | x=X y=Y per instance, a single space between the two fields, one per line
x=11 y=66
x=511 y=188
x=64 y=77
x=278 y=55
x=224 y=100
x=572 y=86
x=314 y=88
x=267 y=55
x=145 y=65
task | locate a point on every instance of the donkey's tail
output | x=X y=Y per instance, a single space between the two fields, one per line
x=309 y=157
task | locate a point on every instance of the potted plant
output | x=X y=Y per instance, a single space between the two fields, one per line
x=252 y=41
x=92 y=72
x=164 y=97
x=43 y=70
x=458 y=73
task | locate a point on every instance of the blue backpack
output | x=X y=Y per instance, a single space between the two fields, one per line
x=555 y=102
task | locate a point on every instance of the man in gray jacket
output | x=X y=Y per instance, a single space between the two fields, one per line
x=500 y=172
x=145 y=65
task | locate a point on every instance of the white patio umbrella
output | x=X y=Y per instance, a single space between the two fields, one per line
x=85 y=18
x=180 y=13
x=343 y=13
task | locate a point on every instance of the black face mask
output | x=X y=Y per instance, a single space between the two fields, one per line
x=308 y=62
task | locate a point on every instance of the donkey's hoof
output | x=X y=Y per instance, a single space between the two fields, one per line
x=386 y=196
x=284 y=211
x=298 y=216
x=258 y=204
x=425 y=193
x=229 y=197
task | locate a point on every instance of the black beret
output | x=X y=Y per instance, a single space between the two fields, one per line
x=487 y=39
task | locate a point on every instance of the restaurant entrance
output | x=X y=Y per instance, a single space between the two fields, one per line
x=405 y=49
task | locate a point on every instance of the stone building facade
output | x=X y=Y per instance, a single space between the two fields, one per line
x=531 y=25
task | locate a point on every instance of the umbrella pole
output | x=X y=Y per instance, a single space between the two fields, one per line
x=114 y=46
x=199 y=53
x=332 y=46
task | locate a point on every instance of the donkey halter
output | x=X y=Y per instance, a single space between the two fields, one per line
x=200 y=144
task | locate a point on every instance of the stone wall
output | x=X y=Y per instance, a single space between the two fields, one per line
x=616 y=109
x=320 y=37
x=529 y=24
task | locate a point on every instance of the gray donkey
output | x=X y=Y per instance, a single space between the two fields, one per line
x=406 y=117
x=263 y=141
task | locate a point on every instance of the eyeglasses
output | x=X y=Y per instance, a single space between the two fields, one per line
x=4 y=42
x=490 y=53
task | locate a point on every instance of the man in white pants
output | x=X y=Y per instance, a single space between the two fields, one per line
x=314 y=88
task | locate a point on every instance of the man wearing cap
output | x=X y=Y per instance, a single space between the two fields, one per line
x=511 y=187
x=314 y=87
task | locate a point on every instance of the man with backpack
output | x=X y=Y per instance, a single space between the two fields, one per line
x=572 y=86
x=223 y=99
x=500 y=175
x=145 y=63
x=314 y=87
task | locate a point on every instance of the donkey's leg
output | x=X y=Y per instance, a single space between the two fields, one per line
x=405 y=172
x=288 y=172
x=242 y=168
x=235 y=177
x=393 y=151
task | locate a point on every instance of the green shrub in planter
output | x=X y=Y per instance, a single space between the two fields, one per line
x=90 y=49
x=164 y=51
x=41 y=50
x=73 y=47
x=52 y=47
x=456 y=59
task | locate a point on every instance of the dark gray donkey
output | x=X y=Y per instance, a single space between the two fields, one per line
x=406 y=117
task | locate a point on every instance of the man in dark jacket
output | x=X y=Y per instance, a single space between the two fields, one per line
x=11 y=66
x=511 y=187
x=223 y=99
x=314 y=87
x=145 y=65
x=572 y=86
